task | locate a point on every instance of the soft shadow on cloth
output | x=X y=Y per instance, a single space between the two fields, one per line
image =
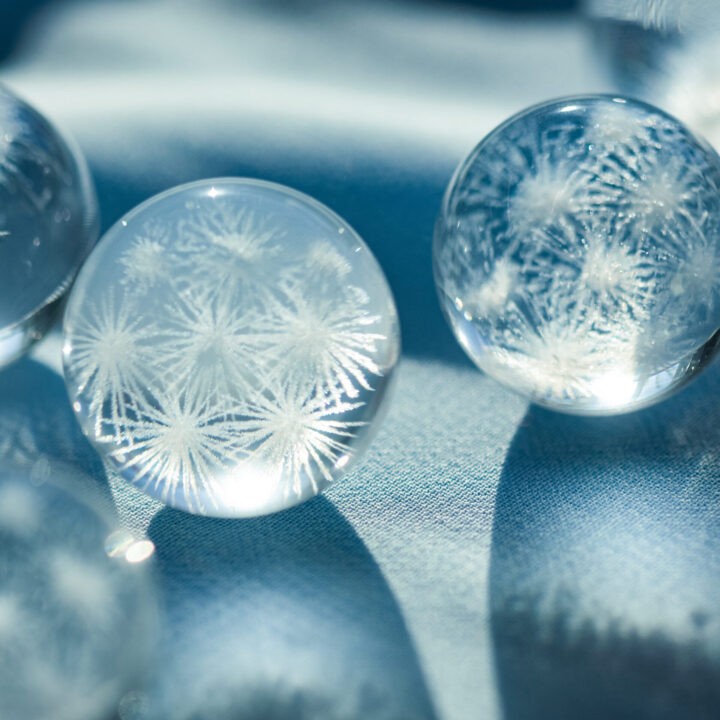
x=605 y=563
x=38 y=428
x=285 y=617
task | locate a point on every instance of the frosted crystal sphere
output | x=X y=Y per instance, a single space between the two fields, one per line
x=576 y=254
x=48 y=222
x=77 y=618
x=228 y=345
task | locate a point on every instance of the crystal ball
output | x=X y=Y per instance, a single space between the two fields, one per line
x=576 y=254
x=77 y=617
x=228 y=346
x=48 y=222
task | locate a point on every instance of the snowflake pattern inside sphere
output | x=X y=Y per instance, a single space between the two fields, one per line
x=228 y=346
x=577 y=254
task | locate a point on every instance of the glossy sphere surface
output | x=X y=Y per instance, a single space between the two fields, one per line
x=48 y=222
x=76 y=623
x=577 y=255
x=228 y=345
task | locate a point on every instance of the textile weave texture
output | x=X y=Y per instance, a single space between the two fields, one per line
x=488 y=559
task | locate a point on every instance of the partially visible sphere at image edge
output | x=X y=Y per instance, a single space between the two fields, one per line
x=78 y=610
x=576 y=254
x=48 y=222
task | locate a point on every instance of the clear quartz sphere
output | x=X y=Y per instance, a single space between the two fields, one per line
x=576 y=254
x=228 y=345
x=48 y=222
x=78 y=615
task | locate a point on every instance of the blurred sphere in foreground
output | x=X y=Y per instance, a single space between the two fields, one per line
x=77 y=616
x=228 y=346
x=48 y=222
x=576 y=254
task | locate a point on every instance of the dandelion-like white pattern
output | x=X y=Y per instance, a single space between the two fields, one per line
x=577 y=254
x=228 y=346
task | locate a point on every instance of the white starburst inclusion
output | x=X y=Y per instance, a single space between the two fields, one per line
x=614 y=127
x=615 y=276
x=178 y=443
x=488 y=297
x=666 y=16
x=107 y=358
x=210 y=343
x=558 y=360
x=145 y=261
x=299 y=435
x=663 y=192
x=549 y=191
x=696 y=281
x=324 y=340
x=229 y=245
x=322 y=257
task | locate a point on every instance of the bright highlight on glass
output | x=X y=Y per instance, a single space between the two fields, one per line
x=228 y=345
x=576 y=254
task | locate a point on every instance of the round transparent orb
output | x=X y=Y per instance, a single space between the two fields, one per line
x=78 y=615
x=576 y=254
x=228 y=346
x=48 y=222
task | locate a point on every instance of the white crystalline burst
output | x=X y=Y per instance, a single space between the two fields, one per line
x=579 y=249
x=197 y=378
x=144 y=262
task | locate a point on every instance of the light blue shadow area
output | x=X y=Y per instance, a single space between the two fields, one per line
x=605 y=563
x=285 y=617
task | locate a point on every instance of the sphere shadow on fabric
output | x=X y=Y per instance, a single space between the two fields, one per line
x=284 y=617
x=605 y=563
x=37 y=423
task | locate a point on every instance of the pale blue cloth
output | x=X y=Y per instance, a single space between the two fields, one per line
x=488 y=559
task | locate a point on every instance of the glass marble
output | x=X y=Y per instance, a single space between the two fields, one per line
x=78 y=619
x=576 y=254
x=228 y=346
x=48 y=222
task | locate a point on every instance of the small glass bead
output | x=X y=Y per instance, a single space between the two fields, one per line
x=576 y=254
x=48 y=222
x=228 y=345
x=77 y=623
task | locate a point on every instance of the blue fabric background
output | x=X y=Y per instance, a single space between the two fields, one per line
x=488 y=559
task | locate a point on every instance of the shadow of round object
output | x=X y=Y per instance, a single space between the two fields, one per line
x=37 y=422
x=605 y=563
x=283 y=617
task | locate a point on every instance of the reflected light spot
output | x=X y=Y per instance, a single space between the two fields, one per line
x=342 y=461
x=213 y=192
x=614 y=389
x=140 y=551
x=251 y=489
